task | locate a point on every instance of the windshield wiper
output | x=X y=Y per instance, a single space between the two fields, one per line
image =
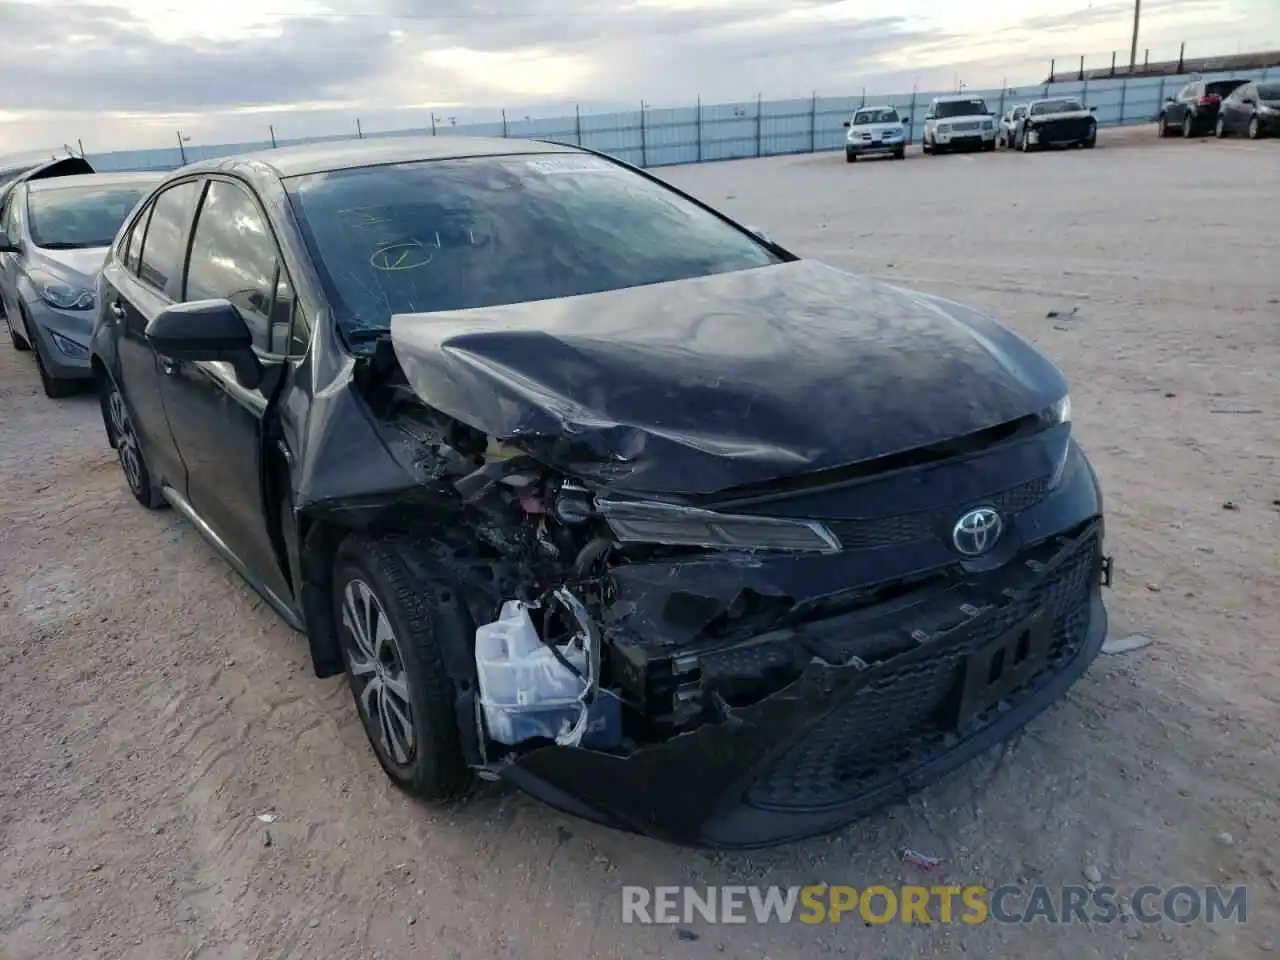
x=367 y=334
x=67 y=245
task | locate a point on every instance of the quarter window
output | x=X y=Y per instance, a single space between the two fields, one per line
x=133 y=252
x=162 y=248
x=233 y=257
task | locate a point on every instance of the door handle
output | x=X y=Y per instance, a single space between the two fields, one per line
x=117 y=310
x=169 y=365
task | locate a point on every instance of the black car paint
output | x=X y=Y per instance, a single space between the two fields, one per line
x=310 y=453
x=1187 y=104
x=1244 y=104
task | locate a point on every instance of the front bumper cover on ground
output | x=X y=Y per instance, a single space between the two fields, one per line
x=841 y=741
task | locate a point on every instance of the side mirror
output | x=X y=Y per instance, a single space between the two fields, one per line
x=760 y=234
x=1093 y=109
x=906 y=119
x=7 y=245
x=207 y=330
x=846 y=123
x=1170 y=100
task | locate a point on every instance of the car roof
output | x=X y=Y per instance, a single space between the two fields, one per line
x=115 y=178
x=298 y=161
x=958 y=97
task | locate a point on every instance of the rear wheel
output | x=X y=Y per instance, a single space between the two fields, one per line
x=125 y=439
x=1188 y=128
x=1220 y=128
x=393 y=622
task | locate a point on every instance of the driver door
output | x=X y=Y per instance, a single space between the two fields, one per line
x=220 y=424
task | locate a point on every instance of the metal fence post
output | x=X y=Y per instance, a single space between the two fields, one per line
x=359 y=131
x=644 y=147
x=758 y=108
x=699 y=128
x=272 y=128
x=1084 y=93
x=504 y=121
x=911 y=132
x=433 y=123
x=182 y=151
x=813 y=123
x=1124 y=92
x=1004 y=85
x=577 y=123
x=1160 y=98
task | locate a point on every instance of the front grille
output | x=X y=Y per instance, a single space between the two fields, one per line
x=1068 y=129
x=964 y=126
x=886 y=724
x=914 y=527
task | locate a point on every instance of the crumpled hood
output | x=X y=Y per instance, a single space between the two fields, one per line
x=696 y=386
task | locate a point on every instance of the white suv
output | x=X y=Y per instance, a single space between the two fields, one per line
x=957 y=122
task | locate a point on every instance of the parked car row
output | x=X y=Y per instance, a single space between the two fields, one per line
x=1248 y=108
x=960 y=122
x=469 y=413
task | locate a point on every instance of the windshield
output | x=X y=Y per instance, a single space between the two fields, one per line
x=485 y=231
x=879 y=115
x=1055 y=106
x=961 y=108
x=69 y=218
x=1269 y=91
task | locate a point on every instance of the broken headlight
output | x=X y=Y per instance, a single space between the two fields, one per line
x=1056 y=415
x=642 y=521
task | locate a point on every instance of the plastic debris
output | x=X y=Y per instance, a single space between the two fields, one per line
x=921 y=860
x=268 y=817
x=1135 y=641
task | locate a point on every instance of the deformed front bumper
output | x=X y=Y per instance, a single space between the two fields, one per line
x=841 y=741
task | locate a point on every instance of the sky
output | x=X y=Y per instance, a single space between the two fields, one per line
x=119 y=74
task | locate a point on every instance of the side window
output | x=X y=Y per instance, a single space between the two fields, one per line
x=233 y=257
x=5 y=206
x=162 y=247
x=133 y=251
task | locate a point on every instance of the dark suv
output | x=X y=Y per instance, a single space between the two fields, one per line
x=1194 y=111
x=588 y=487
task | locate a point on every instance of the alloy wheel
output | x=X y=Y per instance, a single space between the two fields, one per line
x=1186 y=126
x=1254 y=130
x=377 y=669
x=126 y=441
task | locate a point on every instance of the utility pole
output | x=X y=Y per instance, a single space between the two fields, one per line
x=1133 y=49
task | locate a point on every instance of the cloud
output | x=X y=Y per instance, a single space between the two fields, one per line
x=120 y=73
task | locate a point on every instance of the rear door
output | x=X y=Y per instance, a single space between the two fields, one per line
x=134 y=290
x=219 y=423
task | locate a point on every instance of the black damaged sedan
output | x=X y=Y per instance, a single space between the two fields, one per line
x=589 y=488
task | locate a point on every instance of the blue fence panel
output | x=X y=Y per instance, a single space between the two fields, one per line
x=724 y=131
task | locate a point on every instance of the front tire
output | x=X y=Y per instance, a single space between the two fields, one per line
x=18 y=340
x=1220 y=129
x=850 y=156
x=55 y=388
x=1188 y=128
x=393 y=622
x=129 y=452
x=1255 y=129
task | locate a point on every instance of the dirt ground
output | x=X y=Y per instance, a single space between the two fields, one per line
x=151 y=706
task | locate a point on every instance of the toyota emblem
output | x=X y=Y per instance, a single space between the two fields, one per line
x=977 y=531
